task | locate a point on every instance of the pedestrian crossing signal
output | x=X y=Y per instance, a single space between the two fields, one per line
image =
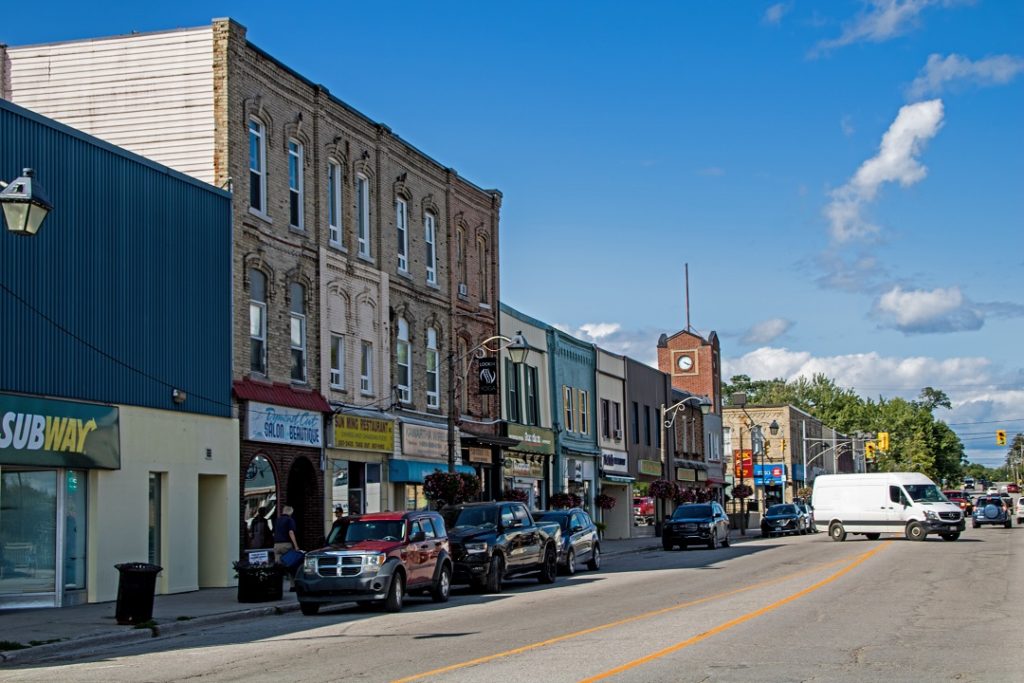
x=883 y=441
x=869 y=450
x=1000 y=437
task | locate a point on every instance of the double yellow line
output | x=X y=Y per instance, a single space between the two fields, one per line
x=648 y=615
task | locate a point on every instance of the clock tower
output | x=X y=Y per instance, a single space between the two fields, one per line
x=694 y=363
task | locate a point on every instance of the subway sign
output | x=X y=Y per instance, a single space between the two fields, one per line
x=41 y=431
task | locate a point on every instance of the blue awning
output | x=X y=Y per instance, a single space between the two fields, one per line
x=414 y=471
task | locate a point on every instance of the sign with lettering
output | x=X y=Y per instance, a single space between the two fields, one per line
x=521 y=467
x=531 y=439
x=481 y=455
x=686 y=474
x=614 y=462
x=40 y=431
x=277 y=424
x=487 y=372
x=743 y=464
x=427 y=442
x=355 y=433
x=651 y=468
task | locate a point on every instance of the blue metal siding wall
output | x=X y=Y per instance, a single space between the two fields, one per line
x=573 y=363
x=135 y=259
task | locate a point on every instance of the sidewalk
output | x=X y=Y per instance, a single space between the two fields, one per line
x=47 y=633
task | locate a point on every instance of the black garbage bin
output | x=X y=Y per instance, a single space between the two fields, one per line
x=259 y=582
x=135 y=589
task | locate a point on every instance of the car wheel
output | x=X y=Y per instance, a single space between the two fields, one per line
x=837 y=532
x=713 y=541
x=443 y=588
x=873 y=536
x=595 y=559
x=396 y=594
x=915 y=532
x=549 y=572
x=950 y=537
x=309 y=608
x=495 y=575
x=570 y=562
x=725 y=540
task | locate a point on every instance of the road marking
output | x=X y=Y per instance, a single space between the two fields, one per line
x=620 y=622
x=737 y=621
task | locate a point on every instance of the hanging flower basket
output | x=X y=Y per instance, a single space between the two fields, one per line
x=604 y=502
x=450 y=488
x=517 y=495
x=742 y=491
x=563 y=500
x=663 y=489
x=684 y=495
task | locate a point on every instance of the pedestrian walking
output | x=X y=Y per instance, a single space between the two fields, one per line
x=260 y=535
x=284 y=537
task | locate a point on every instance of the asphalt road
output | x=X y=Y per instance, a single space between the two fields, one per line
x=792 y=609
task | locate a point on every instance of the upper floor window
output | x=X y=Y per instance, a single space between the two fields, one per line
x=257 y=322
x=430 y=237
x=647 y=425
x=402 y=226
x=606 y=422
x=512 y=394
x=334 y=202
x=635 y=423
x=433 y=377
x=366 y=368
x=584 y=407
x=257 y=166
x=337 y=361
x=481 y=256
x=363 y=215
x=530 y=394
x=567 y=408
x=460 y=258
x=295 y=185
x=404 y=377
x=617 y=420
x=298 y=331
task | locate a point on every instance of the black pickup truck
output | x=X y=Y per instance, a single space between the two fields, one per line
x=493 y=541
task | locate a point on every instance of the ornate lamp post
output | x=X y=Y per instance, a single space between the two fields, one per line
x=25 y=205
x=666 y=423
x=518 y=348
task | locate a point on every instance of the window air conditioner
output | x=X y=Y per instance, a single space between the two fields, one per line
x=618 y=435
x=463 y=289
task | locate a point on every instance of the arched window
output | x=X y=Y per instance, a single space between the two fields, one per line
x=433 y=380
x=404 y=362
x=296 y=189
x=363 y=215
x=298 y=331
x=257 y=321
x=481 y=257
x=335 y=202
x=430 y=237
x=257 y=166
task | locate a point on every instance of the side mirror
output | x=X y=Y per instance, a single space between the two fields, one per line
x=514 y=524
x=418 y=537
x=576 y=529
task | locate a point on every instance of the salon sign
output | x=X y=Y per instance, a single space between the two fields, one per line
x=40 y=431
x=277 y=424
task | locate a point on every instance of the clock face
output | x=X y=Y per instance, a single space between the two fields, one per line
x=684 y=363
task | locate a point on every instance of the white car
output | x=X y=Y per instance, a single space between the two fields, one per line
x=1020 y=510
x=992 y=490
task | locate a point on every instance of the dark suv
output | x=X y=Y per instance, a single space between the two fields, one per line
x=991 y=510
x=704 y=523
x=378 y=558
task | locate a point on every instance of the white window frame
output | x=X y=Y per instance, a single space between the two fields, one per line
x=402 y=228
x=568 y=413
x=366 y=369
x=297 y=322
x=337 y=361
x=260 y=132
x=259 y=308
x=335 y=203
x=430 y=236
x=296 y=183
x=363 y=233
x=433 y=376
x=584 y=406
x=403 y=377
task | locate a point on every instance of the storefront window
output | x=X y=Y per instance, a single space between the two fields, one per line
x=339 y=485
x=28 y=530
x=74 y=529
x=260 y=489
x=414 y=498
x=155 y=517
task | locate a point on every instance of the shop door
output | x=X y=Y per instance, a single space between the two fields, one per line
x=28 y=537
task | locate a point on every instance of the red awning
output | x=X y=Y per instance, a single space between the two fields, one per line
x=280 y=395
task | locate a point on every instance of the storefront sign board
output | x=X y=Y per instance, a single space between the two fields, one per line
x=355 y=433
x=40 y=431
x=278 y=424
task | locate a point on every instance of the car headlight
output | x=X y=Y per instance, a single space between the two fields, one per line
x=476 y=548
x=931 y=514
x=309 y=564
x=372 y=563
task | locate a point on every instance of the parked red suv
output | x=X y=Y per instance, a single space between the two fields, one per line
x=377 y=559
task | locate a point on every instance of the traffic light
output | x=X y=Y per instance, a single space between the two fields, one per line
x=1000 y=437
x=869 y=450
x=883 y=441
x=783 y=447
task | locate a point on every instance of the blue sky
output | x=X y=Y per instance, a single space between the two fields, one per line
x=843 y=178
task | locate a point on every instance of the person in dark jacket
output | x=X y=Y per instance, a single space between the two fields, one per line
x=260 y=535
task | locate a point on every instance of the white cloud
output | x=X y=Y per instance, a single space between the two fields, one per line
x=954 y=70
x=766 y=331
x=882 y=21
x=773 y=15
x=641 y=345
x=598 y=331
x=922 y=311
x=896 y=161
x=846 y=124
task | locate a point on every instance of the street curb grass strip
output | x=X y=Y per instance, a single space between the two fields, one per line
x=737 y=621
x=613 y=624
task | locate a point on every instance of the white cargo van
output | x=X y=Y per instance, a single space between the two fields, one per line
x=884 y=502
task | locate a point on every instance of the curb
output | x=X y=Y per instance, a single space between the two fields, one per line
x=71 y=648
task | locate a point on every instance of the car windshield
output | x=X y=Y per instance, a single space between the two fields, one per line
x=692 y=512
x=925 y=493
x=782 y=510
x=375 y=530
x=485 y=518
